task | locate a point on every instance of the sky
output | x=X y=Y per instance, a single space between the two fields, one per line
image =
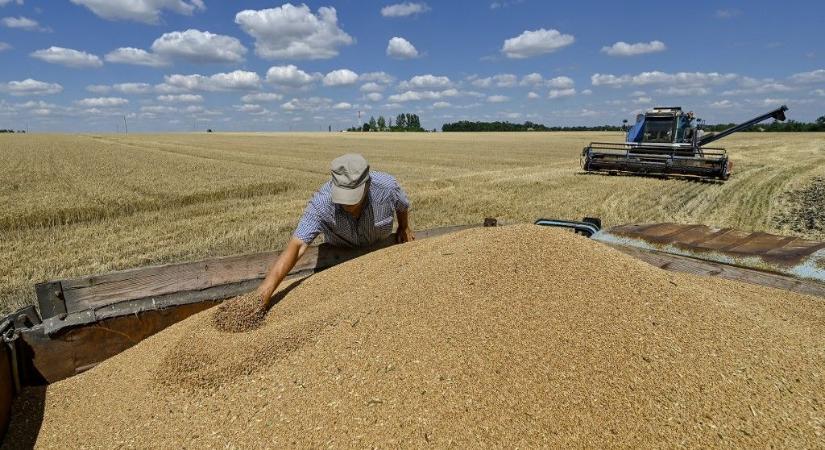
x=184 y=65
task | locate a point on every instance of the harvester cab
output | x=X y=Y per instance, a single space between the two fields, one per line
x=666 y=141
x=668 y=125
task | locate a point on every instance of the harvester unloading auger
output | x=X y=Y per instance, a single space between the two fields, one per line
x=666 y=141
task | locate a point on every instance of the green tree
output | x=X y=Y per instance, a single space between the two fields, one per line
x=382 y=124
x=414 y=123
x=373 y=124
x=401 y=122
x=365 y=127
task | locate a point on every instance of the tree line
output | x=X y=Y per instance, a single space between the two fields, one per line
x=775 y=126
x=466 y=125
x=403 y=122
x=12 y=131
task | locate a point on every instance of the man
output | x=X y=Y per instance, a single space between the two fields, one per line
x=354 y=209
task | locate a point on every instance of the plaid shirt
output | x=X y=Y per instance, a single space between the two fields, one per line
x=384 y=198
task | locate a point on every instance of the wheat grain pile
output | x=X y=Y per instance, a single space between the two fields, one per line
x=517 y=336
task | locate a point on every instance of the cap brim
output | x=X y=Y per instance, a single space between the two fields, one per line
x=344 y=196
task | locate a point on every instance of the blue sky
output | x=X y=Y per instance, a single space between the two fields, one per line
x=172 y=65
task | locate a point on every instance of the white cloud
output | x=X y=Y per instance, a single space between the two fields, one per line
x=560 y=82
x=657 y=77
x=642 y=100
x=534 y=43
x=481 y=82
x=250 y=108
x=340 y=77
x=378 y=77
x=755 y=86
x=290 y=76
x=261 y=97
x=158 y=109
x=237 y=80
x=294 y=32
x=307 y=104
x=410 y=96
x=814 y=76
x=372 y=87
x=622 y=48
x=404 y=9
x=31 y=104
x=560 y=93
x=22 y=23
x=427 y=81
x=533 y=95
x=400 y=48
x=4 y=46
x=31 y=87
x=532 y=79
x=133 y=88
x=441 y=105
x=374 y=97
x=505 y=80
x=125 y=88
x=102 y=102
x=342 y=105
x=722 y=104
x=498 y=98
x=136 y=56
x=819 y=92
x=676 y=91
x=146 y=11
x=181 y=98
x=68 y=57
x=535 y=79
x=586 y=92
x=199 y=47
x=774 y=101
x=6 y=2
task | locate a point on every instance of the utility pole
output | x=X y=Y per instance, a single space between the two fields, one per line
x=125 y=126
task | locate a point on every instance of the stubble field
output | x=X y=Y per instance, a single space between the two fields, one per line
x=79 y=204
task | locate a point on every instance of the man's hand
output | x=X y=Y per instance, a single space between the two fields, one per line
x=264 y=296
x=405 y=234
x=280 y=268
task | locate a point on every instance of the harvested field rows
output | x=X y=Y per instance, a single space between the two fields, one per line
x=517 y=336
x=73 y=204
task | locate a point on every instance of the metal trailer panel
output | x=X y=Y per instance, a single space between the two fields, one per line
x=787 y=255
x=6 y=388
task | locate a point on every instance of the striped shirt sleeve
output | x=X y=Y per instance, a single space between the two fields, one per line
x=309 y=227
x=402 y=203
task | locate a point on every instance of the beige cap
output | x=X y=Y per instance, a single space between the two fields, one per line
x=350 y=174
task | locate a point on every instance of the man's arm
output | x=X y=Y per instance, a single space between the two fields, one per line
x=404 y=232
x=278 y=271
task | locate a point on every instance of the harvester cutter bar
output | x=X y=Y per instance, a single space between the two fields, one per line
x=647 y=158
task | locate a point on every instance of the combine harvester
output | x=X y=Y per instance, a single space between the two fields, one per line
x=83 y=321
x=665 y=141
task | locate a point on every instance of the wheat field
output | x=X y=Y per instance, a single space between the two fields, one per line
x=80 y=204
